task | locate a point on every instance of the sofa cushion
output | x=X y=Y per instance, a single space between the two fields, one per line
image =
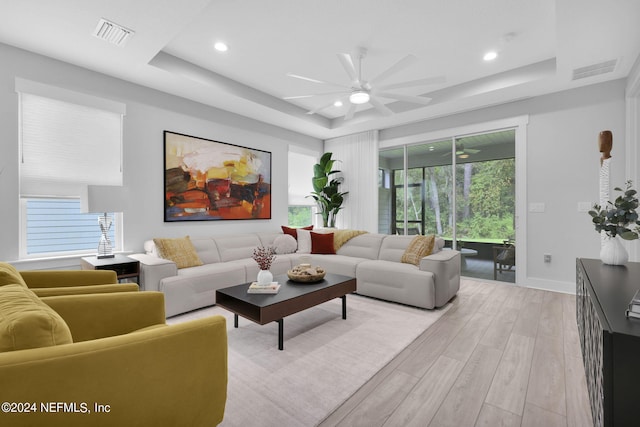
x=420 y=247
x=322 y=243
x=285 y=244
x=27 y=322
x=180 y=250
x=337 y=264
x=237 y=246
x=304 y=241
x=10 y=276
x=362 y=246
x=293 y=232
x=207 y=250
x=393 y=247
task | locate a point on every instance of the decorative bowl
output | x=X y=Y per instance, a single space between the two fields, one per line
x=306 y=274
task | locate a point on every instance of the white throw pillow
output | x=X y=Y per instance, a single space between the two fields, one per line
x=304 y=241
x=285 y=244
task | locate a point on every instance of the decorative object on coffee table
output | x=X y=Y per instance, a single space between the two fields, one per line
x=617 y=219
x=264 y=256
x=306 y=273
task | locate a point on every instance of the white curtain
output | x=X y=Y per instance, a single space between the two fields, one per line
x=357 y=157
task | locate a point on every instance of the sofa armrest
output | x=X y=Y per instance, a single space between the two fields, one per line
x=153 y=270
x=136 y=375
x=445 y=266
x=89 y=289
x=63 y=278
x=103 y=315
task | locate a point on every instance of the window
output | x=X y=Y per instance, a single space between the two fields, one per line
x=68 y=140
x=300 y=171
x=56 y=226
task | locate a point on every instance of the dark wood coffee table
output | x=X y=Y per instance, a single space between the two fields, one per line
x=292 y=298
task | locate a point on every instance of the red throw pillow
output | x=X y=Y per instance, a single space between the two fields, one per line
x=292 y=231
x=322 y=243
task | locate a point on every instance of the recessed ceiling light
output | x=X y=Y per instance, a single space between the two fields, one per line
x=337 y=104
x=221 y=46
x=490 y=56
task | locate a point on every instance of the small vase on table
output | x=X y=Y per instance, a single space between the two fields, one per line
x=265 y=277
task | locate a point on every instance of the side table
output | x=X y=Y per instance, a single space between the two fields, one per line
x=125 y=267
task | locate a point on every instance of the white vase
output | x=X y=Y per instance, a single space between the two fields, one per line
x=613 y=252
x=265 y=277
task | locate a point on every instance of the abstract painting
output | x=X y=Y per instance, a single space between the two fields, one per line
x=208 y=180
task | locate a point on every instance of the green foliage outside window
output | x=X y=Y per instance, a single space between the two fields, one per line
x=485 y=199
x=300 y=216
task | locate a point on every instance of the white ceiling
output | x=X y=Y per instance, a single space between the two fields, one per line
x=540 y=43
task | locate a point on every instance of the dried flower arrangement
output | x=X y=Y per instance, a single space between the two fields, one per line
x=264 y=256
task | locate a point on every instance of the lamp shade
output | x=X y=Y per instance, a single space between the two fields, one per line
x=103 y=198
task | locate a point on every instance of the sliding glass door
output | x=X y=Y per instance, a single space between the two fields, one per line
x=459 y=188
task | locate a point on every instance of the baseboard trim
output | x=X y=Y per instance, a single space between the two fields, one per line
x=550 y=285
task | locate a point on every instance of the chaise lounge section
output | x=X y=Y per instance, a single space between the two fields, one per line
x=373 y=259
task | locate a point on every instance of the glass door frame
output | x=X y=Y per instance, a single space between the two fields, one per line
x=519 y=124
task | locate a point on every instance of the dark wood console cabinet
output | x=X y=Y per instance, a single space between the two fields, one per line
x=610 y=341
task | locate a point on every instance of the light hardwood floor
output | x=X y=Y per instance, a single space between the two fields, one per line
x=503 y=355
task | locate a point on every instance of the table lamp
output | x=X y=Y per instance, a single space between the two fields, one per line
x=103 y=199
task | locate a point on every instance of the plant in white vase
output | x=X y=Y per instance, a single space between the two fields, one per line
x=264 y=256
x=617 y=219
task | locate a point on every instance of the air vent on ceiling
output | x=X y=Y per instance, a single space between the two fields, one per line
x=112 y=32
x=595 y=69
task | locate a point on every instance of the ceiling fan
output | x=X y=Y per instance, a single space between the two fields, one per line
x=362 y=91
x=462 y=152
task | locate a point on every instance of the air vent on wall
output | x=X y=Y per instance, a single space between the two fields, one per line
x=594 y=70
x=112 y=32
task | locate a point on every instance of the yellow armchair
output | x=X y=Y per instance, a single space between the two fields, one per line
x=124 y=367
x=65 y=282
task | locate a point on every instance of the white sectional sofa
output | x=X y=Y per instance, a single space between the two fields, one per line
x=373 y=259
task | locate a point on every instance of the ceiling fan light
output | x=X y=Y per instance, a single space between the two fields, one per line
x=359 y=97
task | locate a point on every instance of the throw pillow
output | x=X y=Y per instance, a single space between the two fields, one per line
x=27 y=322
x=181 y=251
x=294 y=231
x=285 y=244
x=9 y=275
x=322 y=243
x=420 y=247
x=304 y=241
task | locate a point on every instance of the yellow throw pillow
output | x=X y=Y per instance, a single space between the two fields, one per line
x=27 y=322
x=420 y=247
x=181 y=251
x=9 y=275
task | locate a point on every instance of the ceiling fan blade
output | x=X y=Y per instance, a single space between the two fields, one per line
x=312 y=80
x=351 y=112
x=406 y=98
x=347 y=63
x=383 y=109
x=322 y=107
x=412 y=83
x=314 y=95
x=395 y=68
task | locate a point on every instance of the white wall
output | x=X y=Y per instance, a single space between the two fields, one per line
x=562 y=163
x=149 y=113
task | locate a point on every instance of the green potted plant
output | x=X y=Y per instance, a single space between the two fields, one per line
x=326 y=190
x=617 y=219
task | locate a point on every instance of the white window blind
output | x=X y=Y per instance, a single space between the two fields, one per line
x=300 y=176
x=66 y=145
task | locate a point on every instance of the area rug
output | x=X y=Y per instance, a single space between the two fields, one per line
x=325 y=359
